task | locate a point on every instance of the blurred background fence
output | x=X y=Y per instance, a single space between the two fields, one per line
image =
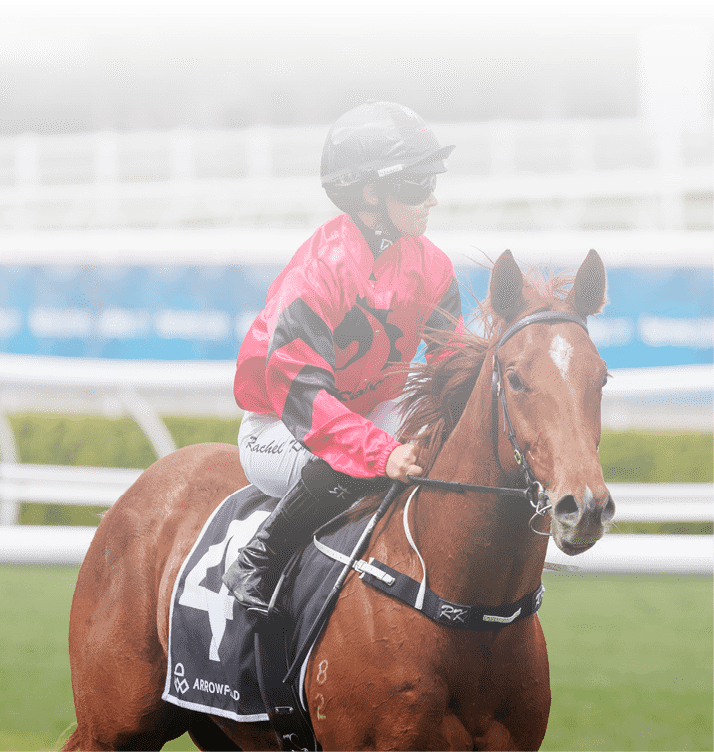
x=674 y=398
x=506 y=175
x=150 y=192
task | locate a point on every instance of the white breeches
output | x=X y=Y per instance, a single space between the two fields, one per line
x=271 y=456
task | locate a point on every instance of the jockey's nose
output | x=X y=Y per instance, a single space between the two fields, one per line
x=570 y=511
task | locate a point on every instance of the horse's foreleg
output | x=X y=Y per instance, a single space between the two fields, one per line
x=168 y=723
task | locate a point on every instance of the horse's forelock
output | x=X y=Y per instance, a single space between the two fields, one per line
x=546 y=289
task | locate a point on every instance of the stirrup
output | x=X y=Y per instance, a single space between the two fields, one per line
x=248 y=576
x=254 y=601
x=269 y=609
x=273 y=610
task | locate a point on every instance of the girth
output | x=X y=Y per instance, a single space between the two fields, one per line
x=456 y=615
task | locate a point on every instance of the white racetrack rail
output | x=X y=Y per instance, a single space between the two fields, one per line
x=665 y=502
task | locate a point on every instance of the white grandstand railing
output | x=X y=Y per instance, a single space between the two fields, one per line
x=142 y=389
x=556 y=200
x=264 y=175
x=669 y=397
x=253 y=247
x=648 y=554
x=60 y=384
x=63 y=484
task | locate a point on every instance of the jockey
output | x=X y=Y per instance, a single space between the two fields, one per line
x=320 y=368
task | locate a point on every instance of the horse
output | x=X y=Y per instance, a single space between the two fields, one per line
x=515 y=409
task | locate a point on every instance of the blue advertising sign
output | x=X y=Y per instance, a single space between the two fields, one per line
x=655 y=317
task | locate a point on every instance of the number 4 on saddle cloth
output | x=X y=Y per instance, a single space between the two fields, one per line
x=226 y=661
x=212 y=662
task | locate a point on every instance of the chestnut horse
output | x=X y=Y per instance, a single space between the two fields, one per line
x=382 y=675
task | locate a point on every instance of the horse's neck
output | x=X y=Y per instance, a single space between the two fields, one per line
x=478 y=548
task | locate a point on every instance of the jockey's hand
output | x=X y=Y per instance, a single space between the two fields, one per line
x=402 y=462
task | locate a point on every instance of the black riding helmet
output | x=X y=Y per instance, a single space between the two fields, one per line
x=377 y=142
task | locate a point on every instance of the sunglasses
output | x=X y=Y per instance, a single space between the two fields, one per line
x=414 y=190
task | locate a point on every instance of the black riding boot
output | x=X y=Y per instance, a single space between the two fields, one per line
x=320 y=493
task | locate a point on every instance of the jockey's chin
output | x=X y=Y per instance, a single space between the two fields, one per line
x=410 y=220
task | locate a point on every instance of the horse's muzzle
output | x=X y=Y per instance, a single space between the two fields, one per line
x=579 y=523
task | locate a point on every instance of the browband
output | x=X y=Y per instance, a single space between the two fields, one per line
x=546 y=317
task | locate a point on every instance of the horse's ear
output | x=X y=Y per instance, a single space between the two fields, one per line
x=587 y=295
x=506 y=286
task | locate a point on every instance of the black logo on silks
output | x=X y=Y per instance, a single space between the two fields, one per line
x=355 y=327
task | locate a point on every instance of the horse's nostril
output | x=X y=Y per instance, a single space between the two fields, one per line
x=566 y=507
x=608 y=512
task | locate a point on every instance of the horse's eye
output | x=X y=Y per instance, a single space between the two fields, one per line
x=515 y=381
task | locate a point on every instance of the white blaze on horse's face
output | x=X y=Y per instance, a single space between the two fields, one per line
x=561 y=352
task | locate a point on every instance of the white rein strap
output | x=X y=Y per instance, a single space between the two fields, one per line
x=362 y=566
x=419 y=603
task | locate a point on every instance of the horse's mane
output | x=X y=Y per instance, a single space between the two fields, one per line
x=437 y=391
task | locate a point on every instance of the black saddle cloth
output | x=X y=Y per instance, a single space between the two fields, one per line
x=211 y=665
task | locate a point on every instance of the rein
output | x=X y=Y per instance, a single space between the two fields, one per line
x=533 y=493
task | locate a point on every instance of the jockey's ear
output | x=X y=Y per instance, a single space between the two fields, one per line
x=587 y=296
x=506 y=286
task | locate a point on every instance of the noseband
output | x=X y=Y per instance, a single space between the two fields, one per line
x=533 y=491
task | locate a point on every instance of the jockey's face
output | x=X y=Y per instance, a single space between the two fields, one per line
x=408 y=219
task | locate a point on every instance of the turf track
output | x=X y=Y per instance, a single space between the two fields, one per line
x=631 y=660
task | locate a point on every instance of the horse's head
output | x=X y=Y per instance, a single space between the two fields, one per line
x=552 y=377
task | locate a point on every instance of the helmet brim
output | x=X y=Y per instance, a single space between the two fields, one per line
x=432 y=164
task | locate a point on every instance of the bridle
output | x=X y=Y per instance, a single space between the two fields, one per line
x=533 y=493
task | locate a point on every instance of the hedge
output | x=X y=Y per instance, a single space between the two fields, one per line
x=626 y=457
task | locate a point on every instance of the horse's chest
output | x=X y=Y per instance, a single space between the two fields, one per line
x=413 y=684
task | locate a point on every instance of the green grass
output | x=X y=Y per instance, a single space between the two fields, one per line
x=630 y=657
x=631 y=662
x=35 y=691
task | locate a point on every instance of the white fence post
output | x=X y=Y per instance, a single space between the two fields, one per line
x=149 y=422
x=9 y=507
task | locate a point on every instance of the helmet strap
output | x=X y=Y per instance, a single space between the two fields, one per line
x=383 y=234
